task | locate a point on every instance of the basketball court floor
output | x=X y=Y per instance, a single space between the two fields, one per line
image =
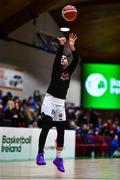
x=87 y=169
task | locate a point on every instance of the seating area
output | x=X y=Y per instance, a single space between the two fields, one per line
x=89 y=146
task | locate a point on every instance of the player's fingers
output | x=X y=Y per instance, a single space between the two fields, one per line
x=71 y=35
x=58 y=38
x=75 y=36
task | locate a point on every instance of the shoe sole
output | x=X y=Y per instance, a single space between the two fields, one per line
x=57 y=167
x=41 y=164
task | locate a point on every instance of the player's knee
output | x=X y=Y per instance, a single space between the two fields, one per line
x=45 y=121
x=61 y=125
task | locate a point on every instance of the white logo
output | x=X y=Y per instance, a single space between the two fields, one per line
x=96 y=84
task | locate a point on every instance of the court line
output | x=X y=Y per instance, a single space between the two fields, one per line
x=53 y=177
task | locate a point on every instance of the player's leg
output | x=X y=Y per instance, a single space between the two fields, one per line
x=59 y=145
x=46 y=124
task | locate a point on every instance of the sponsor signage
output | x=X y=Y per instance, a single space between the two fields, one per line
x=101 y=86
x=22 y=144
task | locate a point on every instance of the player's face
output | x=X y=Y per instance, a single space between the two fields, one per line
x=64 y=61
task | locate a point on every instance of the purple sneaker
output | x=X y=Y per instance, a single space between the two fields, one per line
x=40 y=159
x=59 y=164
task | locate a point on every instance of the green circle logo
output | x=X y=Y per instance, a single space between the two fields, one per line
x=96 y=84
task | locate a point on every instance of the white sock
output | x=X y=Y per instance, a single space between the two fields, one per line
x=58 y=154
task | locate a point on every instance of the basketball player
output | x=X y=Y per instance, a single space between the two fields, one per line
x=53 y=107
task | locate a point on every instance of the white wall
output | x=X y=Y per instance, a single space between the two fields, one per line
x=37 y=64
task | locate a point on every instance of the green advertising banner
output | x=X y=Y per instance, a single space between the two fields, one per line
x=100 y=86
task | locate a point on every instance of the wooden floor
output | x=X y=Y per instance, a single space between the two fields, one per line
x=90 y=169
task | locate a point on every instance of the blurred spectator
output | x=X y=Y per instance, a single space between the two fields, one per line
x=93 y=117
x=105 y=130
x=84 y=130
x=14 y=113
x=2 y=115
x=9 y=112
x=80 y=117
x=16 y=99
x=37 y=97
x=118 y=131
x=71 y=118
x=100 y=124
x=1 y=94
x=18 y=116
x=115 y=147
x=32 y=111
x=32 y=103
x=6 y=98
x=116 y=117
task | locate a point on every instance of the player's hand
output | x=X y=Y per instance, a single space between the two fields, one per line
x=71 y=41
x=61 y=40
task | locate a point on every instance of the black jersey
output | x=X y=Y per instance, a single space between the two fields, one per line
x=60 y=78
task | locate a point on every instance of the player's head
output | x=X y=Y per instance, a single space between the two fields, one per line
x=64 y=61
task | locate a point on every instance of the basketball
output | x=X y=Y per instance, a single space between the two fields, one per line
x=69 y=13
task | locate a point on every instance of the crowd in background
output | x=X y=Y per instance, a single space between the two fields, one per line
x=91 y=122
x=95 y=130
x=15 y=112
x=88 y=124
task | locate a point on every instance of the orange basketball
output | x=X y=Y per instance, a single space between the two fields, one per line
x=69 y=13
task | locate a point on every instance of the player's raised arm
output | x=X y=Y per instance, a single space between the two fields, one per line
x=71 y=41
x=56 y=64
x=61 y=40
